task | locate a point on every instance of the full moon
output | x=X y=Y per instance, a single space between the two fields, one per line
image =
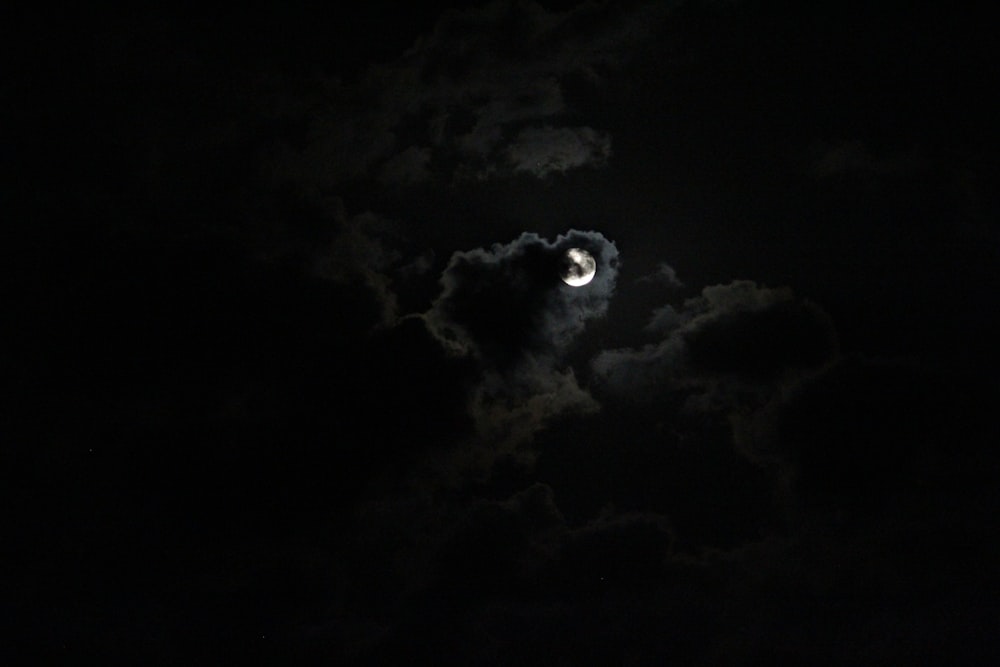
x=578 y=267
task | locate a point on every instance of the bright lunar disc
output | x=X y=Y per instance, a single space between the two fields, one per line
x=578 y=267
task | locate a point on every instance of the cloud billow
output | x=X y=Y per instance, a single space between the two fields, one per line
x=508 y=303
x=507 y=308
x=740 y=332
x=541 y=151
x=482 y=96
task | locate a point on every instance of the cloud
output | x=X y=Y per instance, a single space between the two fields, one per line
x=739 y=332
x=418 y=266
x=664 y=274
x=626 y=550
x=503 y=545
x=855 y=157
x=508 y=303
x=361 y=252
x=508 y=410
x=862 y=434
x=760 y=341
x=507 y=308
x=541 y=151
x=466 y=100
x=663 y=320
x=724 y=366
x=500 y=543
x=539 y=99
x=407 y=167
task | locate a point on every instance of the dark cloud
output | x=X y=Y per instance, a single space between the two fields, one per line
x=761 y=343
x=272 y=403
x=856 y=158
x=532 y=102
x=507 y=545
x=508 y=308
x=739 y=331
x=361 y=250
x=663 y=320
x=862 y=434
x=508 y=409
x=622 y=550
x=665 y=275
x=541 y=151
x=467 y=99
x=717 y=379
x=502 y=544
x=407 y=167
x=508 y=303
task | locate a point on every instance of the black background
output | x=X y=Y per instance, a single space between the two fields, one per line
x=217 y=449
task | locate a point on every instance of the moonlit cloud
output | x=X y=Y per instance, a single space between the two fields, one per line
x=285 y=360
x=508 y=411
x=663 y=320
x=664 y=275
x=541 y=151
x=508 y=301
x=469 y=99
x=507 y=307
x=738 y=331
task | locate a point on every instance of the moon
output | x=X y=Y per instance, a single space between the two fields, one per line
x=578 y=267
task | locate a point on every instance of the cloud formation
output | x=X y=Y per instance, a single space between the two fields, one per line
x=664 y=275
x=856 y=158
x=544 y=150
x=408 y=167
x=508 y=303
x=361 y=252
x=738 y=332
x=482 y=95
x=507 y=308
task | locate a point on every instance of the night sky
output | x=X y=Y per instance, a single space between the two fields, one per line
x=290 y=376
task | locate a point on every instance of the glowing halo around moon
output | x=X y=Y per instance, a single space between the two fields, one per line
x=578 y=267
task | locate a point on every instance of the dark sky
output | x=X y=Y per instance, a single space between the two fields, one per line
x=291 y=378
